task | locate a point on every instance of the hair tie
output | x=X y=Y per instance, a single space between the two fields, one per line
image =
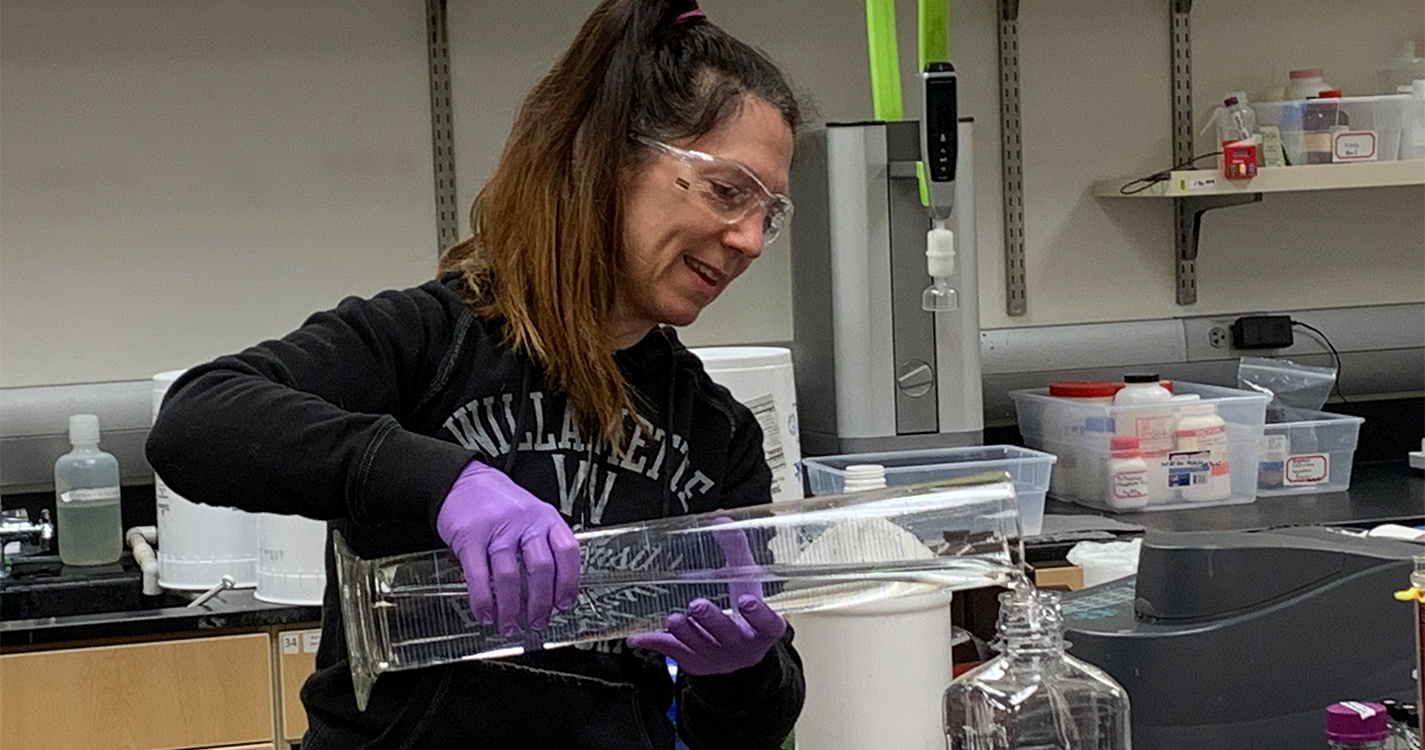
x=687 y=16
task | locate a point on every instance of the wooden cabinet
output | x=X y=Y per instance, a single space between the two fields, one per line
x=214 y=692
x=296 y=658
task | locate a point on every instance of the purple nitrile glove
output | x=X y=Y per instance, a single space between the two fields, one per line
x=707 y=641
x=492 y=524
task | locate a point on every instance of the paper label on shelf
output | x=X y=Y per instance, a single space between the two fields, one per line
x=310 y=641
x=1197 y=183
x=291 y=644
x=1353 y=145
x=89 y=496
x=1306 y=469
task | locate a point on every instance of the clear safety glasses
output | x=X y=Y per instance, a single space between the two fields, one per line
x=730 y=189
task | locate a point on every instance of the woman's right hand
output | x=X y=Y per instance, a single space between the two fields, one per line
x=492 y=524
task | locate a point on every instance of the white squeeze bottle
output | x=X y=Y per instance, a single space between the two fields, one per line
x=86 y=488
x=1201 y=431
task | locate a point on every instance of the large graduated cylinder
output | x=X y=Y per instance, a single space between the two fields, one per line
x=1034 y=696
x=411 y=611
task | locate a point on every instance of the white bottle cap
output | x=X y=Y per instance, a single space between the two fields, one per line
x=83 y=429
x=865 y=477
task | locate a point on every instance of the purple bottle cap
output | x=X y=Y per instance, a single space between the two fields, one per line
x=1353 y=721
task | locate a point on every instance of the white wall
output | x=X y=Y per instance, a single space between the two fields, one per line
x=179 y=179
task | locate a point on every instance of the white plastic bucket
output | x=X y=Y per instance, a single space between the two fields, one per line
x=199 y=544
x=291 y=566
x=761 y=378
x=875 y=674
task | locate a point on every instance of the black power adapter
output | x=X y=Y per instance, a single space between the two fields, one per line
x=1262 y=332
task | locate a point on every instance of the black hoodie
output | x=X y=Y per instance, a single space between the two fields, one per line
x=364 y=417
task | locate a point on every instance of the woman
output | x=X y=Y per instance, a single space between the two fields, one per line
x=530 y=390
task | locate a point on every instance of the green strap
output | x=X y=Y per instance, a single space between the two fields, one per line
x=934 y=30
x=885 y=66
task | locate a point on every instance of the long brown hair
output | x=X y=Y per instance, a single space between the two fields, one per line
x=545 y=257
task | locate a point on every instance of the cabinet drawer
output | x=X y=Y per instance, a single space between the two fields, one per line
x=199 y=692
x=297 y=660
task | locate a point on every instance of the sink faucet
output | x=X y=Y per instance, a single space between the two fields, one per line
x=15 y=526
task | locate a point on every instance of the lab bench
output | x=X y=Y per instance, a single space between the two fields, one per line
x=225 y=675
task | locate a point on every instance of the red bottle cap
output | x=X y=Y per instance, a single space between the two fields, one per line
x=1084 y=389
x=1305 y=73
x=1329 y=94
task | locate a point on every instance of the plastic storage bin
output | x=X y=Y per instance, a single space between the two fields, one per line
x=1305 y=451
x=1347 y=129
x=1080 y=435
x=1030 y=469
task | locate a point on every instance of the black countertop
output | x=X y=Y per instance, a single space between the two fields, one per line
x=1379 y=493
x=232 y=609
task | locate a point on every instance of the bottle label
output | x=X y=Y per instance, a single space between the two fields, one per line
x=89 y=496
x=1154 y=433
x=1306 y=469
x=1130 y=484
x=1190 y=468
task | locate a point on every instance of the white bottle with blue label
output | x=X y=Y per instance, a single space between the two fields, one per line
x=86 y=488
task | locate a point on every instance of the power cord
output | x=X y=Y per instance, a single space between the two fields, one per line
x=1143 y=183
x=1334 y=355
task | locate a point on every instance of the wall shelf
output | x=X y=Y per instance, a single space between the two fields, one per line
x=1196 y=183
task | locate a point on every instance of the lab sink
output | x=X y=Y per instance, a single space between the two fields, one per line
x=40 y=587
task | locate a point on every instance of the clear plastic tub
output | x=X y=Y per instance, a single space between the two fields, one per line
x=1348 y=129
x=1176 y=478
x=411 y=611
x=1029 y=469
x=1305 y=451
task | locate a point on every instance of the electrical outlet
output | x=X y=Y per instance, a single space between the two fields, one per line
x=1218 y=337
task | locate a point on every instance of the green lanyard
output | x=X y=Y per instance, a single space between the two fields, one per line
x=933 y=31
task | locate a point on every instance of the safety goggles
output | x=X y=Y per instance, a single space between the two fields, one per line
x=730 y=189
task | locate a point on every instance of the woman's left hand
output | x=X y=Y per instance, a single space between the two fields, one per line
x=706 y=641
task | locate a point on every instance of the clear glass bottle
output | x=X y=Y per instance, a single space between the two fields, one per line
x=86 y=487
x=1034 y=696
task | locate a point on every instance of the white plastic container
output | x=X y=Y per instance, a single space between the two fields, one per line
x=874 y=674
x=1306 y=83
x=88 y=514
x=1144 y=409
x=291 y=561
x=1313 y=130
x=760 y=377
x=1244 y=414
x=1029 y=469
x=199 y=544
x=1202 y=439
x=1306 y=452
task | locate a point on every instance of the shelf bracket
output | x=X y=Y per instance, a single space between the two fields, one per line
x=1189 y=213
x=442 y=132
x=1011 y=159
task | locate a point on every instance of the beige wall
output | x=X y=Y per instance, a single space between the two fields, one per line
x=179 y=179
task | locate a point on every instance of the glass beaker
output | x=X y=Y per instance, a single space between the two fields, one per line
x=410 y=611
